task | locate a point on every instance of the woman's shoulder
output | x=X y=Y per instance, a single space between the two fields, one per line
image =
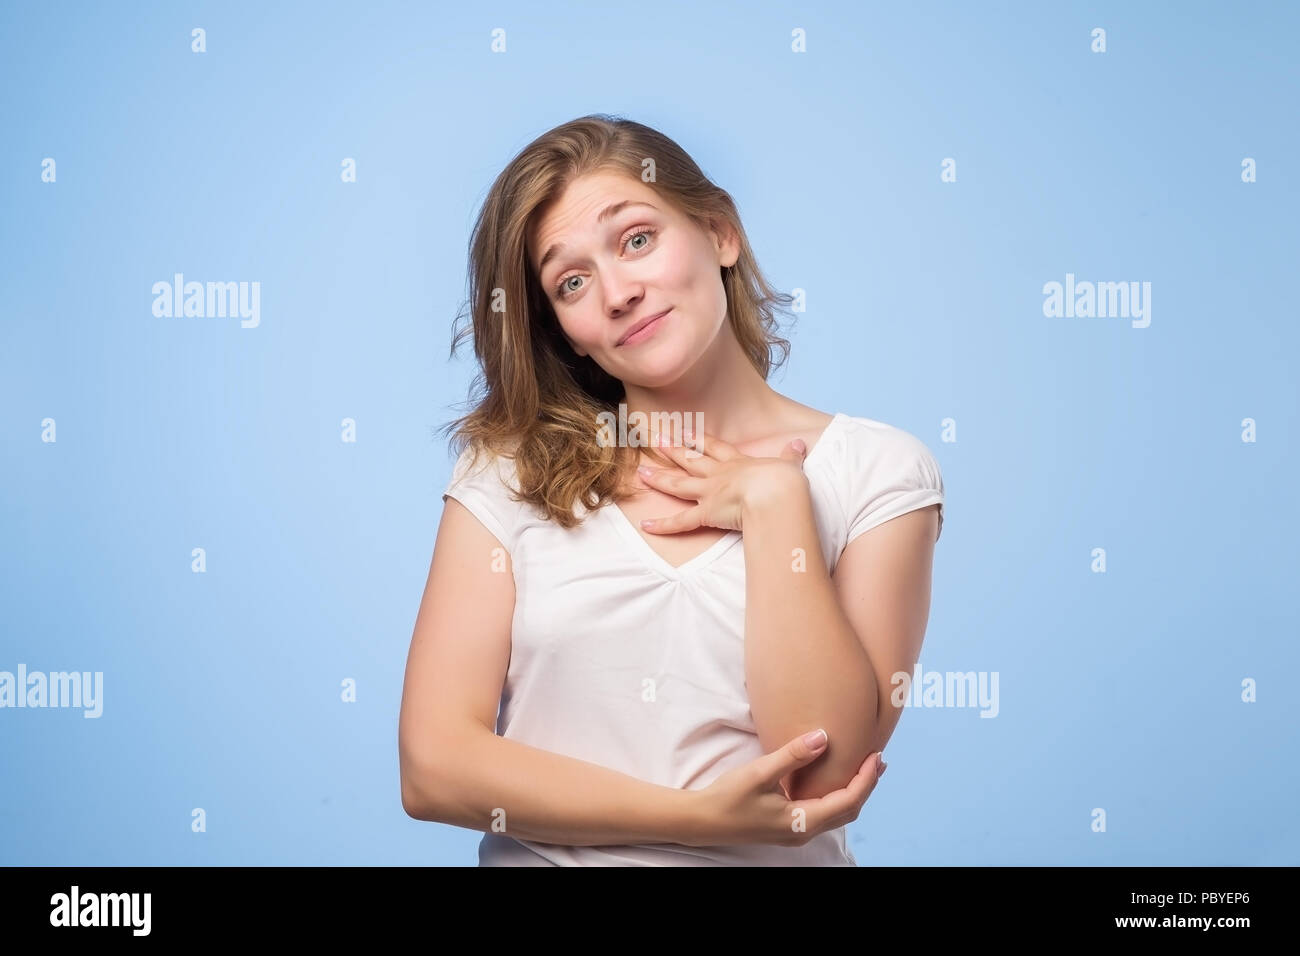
x=841 y=440
x=488 y=471
x=857 y=449
x=877 y=435
x=883 y=470
x=483 y=481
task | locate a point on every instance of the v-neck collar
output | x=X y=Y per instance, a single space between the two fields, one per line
x=659 y=563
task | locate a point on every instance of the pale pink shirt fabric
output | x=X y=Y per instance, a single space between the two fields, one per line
x=620 y=659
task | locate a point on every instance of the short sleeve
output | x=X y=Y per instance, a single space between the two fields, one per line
x=483 y=489
x=890 y=472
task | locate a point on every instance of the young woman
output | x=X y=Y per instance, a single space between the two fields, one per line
x=587 y=689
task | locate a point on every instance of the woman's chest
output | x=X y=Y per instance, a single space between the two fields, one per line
x=676 y=549
x=575 y=587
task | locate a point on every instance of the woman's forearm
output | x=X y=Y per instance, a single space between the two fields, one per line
x=495 y=784
x=804 y=665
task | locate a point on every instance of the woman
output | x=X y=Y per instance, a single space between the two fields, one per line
x=586 y=689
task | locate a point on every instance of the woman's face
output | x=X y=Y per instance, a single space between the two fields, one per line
x=602 y=278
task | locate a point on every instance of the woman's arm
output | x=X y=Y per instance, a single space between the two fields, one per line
x=822 y=651
x=455 y=769
x=494 y=784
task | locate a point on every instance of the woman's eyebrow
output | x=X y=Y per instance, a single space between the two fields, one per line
x=607 y=213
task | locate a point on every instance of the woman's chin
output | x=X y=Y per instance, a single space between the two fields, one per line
x=656 y=373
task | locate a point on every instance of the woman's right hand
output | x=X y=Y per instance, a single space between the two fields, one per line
x=748 y=804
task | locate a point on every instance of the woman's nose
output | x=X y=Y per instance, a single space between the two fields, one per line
x=621 y=294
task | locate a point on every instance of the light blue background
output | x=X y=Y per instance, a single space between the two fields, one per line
x=1119 y=690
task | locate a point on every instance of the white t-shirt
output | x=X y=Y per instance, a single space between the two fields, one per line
x=620 y=659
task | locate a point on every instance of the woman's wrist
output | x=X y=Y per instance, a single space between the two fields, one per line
x=775 y=494
x=691 y=821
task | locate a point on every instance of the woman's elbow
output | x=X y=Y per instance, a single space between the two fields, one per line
x=414 y=802
x=824 y=777
x=833 y=770
x=421 y=791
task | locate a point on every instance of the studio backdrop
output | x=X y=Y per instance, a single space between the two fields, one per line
x=1057 y=243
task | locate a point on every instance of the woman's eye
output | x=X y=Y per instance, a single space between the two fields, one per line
x=563 y=290
x=647 y=232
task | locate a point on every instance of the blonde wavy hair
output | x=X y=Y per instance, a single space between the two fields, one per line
x=536 y=400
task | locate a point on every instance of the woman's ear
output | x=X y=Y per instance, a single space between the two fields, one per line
x=726 y=241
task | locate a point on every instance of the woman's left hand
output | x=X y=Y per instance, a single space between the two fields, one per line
x=722 y=481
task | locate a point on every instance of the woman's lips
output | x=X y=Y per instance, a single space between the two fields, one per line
x=646 y=331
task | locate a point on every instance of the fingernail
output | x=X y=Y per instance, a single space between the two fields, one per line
x=815 y=740
x=643 y=471
x=799 y=446
x=880 y=769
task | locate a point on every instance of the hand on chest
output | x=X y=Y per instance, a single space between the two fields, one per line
x=676 y=549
